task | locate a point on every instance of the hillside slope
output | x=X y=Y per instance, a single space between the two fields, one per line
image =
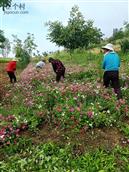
x=50 y=126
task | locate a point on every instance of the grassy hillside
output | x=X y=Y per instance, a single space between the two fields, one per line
x=76 y=125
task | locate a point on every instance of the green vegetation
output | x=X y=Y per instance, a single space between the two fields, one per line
x=5 y=60
x=4 y=44
x=120 y=34
x=2 y=38
x=51 y=157
x=5 y=3
x=24 y=50
x=125 y=45
x=74 y=126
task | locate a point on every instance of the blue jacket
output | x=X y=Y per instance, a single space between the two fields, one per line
x=111 y=61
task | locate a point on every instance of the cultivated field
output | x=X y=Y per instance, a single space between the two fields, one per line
x=76 y=125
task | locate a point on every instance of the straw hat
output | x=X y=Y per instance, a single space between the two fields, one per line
x=14 y=59
x=108 y=47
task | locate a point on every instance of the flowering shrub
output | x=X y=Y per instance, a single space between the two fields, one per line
x=75 y=107
x=80 y=102
x=10 y=132
x=78 y=105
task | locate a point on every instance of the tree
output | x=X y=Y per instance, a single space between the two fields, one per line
x=117 y=34
x=2 y=42
x=29 y=44
x=122 y=33
x=45 y=54
x=126 y=29
x=77 y=34
x=17 y=47
x=5 y=3
x=125 y=46
x=23 y=51
x=6 y=48
x=2 y=39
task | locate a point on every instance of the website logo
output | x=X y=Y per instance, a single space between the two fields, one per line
x=16 y=8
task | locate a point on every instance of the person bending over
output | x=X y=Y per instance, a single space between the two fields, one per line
x=58 y=68
x=10 y=69
x=111 y=65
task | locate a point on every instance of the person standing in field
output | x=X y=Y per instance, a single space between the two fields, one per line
x=10 y=69
x=111 y=65
x=58 y=68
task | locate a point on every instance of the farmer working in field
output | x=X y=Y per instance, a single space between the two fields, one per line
x=10 y=69
x=58 y=68
x=40 y=64
x=111 y=64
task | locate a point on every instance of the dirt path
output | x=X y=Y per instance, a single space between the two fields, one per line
x=106 y=138
x=30 y=72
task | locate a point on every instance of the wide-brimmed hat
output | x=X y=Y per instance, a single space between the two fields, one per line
x=14 y=59
x=108 y=47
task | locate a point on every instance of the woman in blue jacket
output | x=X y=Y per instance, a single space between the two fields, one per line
x=111 y=65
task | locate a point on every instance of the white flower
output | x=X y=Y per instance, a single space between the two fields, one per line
x=124 y=88
x=2 y=136
x=83 y=96
x=63 y=114
x=98 y=86
x=97 y=91
x=108 y=111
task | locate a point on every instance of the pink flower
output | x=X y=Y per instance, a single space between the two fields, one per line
x=8 y=143
x=7 y=95
x=1 y=117
x=122 y=101
x=10 y=118
x=17 y=130
x=11 y=128
x=78 y=109
x=71 y=109
x=23 y=126
x=90 y=114
x=2 y=133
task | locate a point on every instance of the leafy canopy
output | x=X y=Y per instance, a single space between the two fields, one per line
x=4 y=44
x=122 y=33
x=23 y=50
x=2 y=39
x=77 y=34
x=5 y=3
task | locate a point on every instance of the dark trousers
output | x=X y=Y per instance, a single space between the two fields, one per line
x=12 y=77
x=59 y=75
x=111 y=78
